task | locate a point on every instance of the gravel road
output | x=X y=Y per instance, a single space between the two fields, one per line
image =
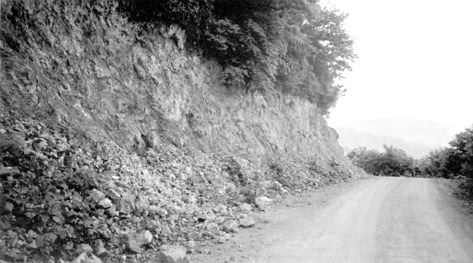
x=381 y=219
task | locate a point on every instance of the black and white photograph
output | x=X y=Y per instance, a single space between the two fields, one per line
x=236 y=131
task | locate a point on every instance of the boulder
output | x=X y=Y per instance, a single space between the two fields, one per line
x=105 y=203
x=262 y=202
x=40 y=144
x=190 y=246
x=277 y=186
x=245 y=207
x=213 y=229
x=132 y=245
x=153 y=210
x=126 y=205
x=230 y=226
x=151 y=139
x=4 y=225
x=172 y=254
x=135 y=242
x=247 y=222
x=83 y=248
x=5 y=171
x=86 y=258
x=113 y=194
x=99 y=248
x=95 y=195
x=112 y=211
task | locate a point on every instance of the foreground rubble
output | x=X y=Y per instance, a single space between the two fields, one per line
x=65 y=197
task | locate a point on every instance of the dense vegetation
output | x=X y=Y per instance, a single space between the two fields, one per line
x=299 y=45
x=457 y=159
x=391 y=162
x=449 y=162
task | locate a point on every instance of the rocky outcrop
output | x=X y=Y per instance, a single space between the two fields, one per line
x=144 y=136
x=138 y=90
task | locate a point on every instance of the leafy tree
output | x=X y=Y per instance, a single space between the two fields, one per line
x=462 y=153
x=451 y=161
x=438 y=163
x=395 y=161
x=365 y=159
x=391 y=162
x=296 y=44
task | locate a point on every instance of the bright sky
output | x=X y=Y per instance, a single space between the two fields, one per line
x=415 y=61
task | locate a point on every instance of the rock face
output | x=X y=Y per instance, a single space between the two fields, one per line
x=143 y=94
x=141 y=134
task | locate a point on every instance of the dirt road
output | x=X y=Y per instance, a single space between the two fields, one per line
x=372 y=220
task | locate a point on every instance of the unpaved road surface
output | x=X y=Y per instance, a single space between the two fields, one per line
x=372 y=220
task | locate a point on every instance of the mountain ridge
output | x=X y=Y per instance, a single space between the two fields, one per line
x=416 y=137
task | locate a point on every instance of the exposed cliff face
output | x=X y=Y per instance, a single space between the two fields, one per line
x=93 y=72
x=103 y=77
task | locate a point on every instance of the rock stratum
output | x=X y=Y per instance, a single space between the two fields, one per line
x=121 y=141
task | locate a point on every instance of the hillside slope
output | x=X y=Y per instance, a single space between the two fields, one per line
x=108 y=134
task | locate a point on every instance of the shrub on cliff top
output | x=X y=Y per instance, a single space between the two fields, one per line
x=295 y=46
x=298 y=44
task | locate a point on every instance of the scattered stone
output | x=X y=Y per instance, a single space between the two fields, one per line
x=151 y=140
x=191 y=200
x=172 y=254
x=277 y=186
x=105 y=203
x=4 y=225
x=83 y=248
x=113 y=194
x=62 y=147
x=247 y=222
x=8 y=207
x=126 y=205
x=245 y=207
x=133 y=246
x=99 y=248
x=4 y=171
x=85 y=258
x=262 y=202
x=13 y=143
x=221 y=240
x=201 y=217
x=190 y=246
x=112 y=211
x=40 y=144
x=230 y=226
x=146 y=236
x=221 y=209
x=135 y=242
x=153 y=210
x=213 y=229
x=95 y=195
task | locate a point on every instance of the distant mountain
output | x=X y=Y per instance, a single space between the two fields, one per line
x=350 y=139
x=416 y=137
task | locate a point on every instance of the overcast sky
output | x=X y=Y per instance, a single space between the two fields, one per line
x=415 y=61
